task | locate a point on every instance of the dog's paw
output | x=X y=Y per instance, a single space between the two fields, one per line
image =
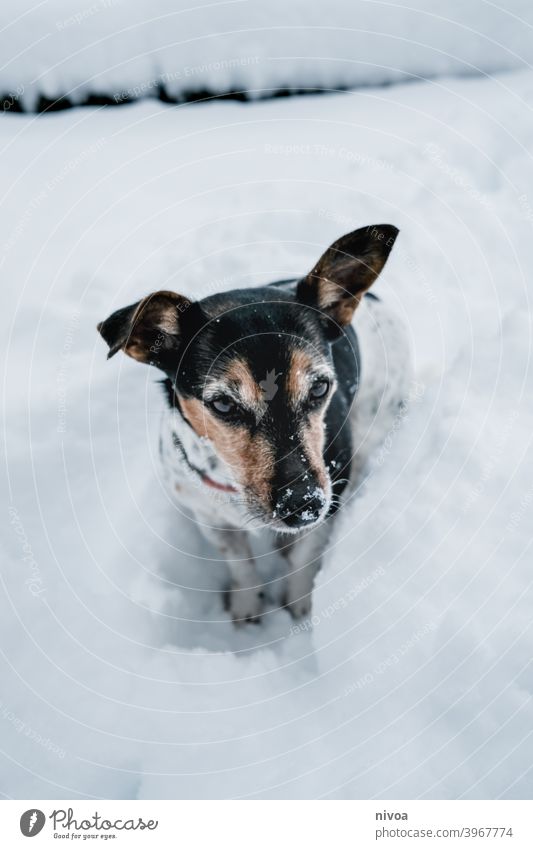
x=299 y=608
x=245 y=605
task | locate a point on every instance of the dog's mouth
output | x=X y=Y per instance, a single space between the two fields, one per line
x=281 y=527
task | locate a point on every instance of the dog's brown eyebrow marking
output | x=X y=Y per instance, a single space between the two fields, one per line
x=297 y=382
x=303 y=367
x=238 y=382
x=238 y=375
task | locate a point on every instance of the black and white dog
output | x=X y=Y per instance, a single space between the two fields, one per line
x=275 y=402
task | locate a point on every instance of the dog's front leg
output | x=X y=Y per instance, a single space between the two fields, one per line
x=246 y=591
x=304 y=559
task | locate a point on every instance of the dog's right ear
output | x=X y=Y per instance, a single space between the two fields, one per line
x=338 y=281
x=148 y=329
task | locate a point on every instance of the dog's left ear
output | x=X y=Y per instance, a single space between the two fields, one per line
x=346 y=270
x=146 y=330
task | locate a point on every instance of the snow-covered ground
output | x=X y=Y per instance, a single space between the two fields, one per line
x=121 y=674
x=126 y=49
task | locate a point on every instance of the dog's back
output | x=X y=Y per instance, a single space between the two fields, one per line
x=386 y=376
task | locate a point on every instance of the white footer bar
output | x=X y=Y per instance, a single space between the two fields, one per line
x=268 y=824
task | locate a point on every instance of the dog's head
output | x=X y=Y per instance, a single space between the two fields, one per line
x=252 y=371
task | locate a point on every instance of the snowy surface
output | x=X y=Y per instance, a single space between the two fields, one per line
x=121 y=673
x=127 y=48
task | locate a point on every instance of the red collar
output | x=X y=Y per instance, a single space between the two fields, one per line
x=222 y=487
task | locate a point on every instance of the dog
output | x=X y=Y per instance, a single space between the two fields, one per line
x=276 y=399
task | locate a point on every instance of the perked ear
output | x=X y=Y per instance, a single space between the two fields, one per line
x=146 y=330
x=348 y=268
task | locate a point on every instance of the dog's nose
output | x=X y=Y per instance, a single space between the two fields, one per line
x=298 y=506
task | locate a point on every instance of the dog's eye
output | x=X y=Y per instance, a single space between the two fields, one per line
x=223 y=405
x=319 y=389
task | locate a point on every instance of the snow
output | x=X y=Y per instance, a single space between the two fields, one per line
x=126 y=50
x=122 y=675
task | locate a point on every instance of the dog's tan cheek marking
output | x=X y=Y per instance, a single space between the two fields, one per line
x=259 y=468
x=312 y=437
x=250 y=457
x=312 y=433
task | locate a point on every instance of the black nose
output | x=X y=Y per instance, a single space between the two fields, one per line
x=298 y=505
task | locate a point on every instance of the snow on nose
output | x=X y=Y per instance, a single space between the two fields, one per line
x=298 y=507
